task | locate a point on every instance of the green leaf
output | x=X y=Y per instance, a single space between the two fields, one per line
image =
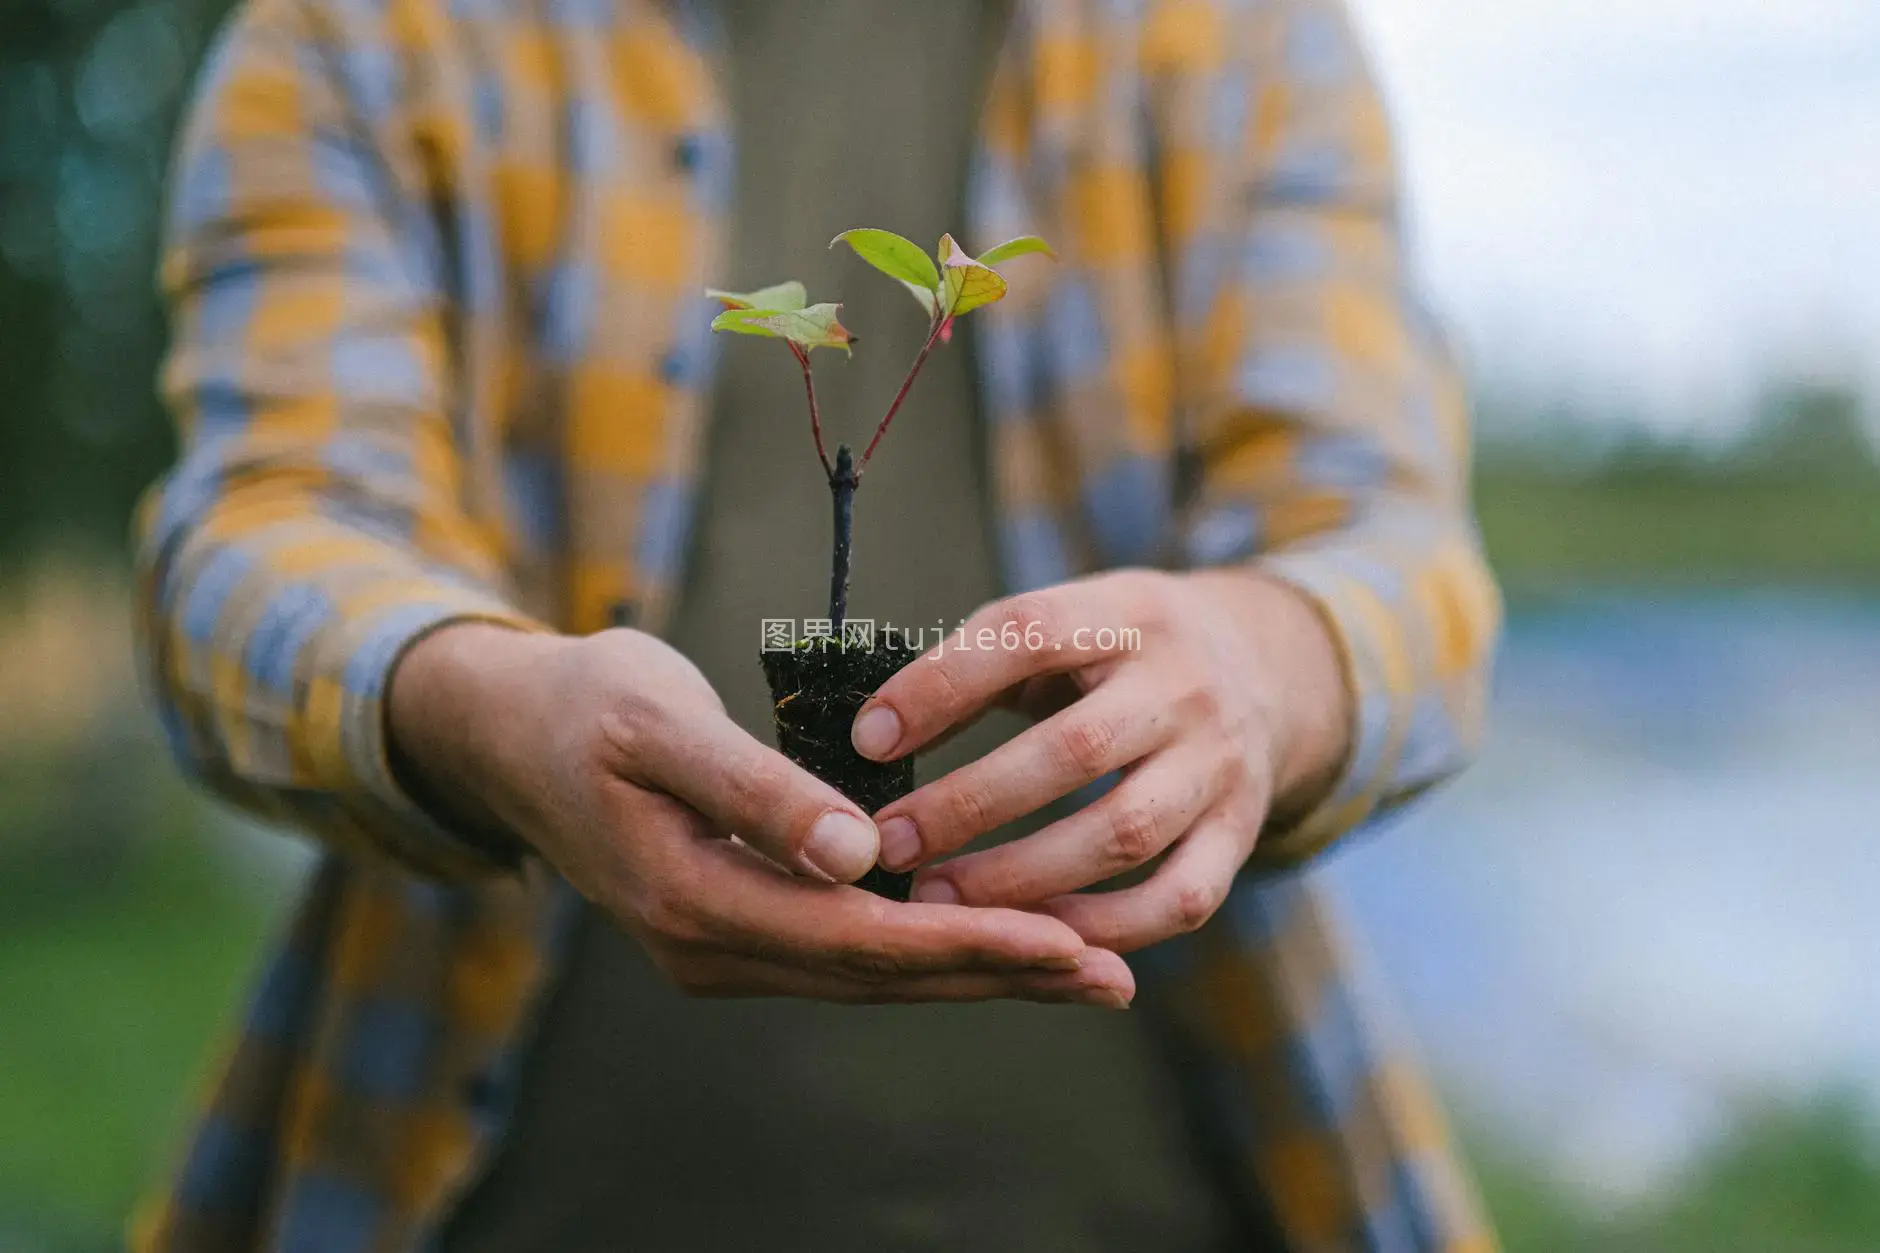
x=1016 y=248
x=785 y=296
x=968 y=284
x=814 y=327
x=896 y=257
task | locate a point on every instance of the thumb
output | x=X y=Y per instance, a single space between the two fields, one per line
x=747 y=789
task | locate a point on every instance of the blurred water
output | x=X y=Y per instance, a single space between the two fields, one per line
x=1656 y=892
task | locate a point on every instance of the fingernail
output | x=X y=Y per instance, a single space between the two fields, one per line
x=841 y=847
x=936 y=892
x=1108 y=998
x=876 y=732
x=900 y=843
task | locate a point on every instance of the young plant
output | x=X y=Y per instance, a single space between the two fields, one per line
x=817 y=691
x=947 y=286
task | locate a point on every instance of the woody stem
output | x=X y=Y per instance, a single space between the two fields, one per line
x=815 y=414
x=842 y=484
x=913 y=372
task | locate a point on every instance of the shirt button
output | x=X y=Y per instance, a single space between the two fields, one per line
x=481 y=1090
x=672 y=368
x=686 y=153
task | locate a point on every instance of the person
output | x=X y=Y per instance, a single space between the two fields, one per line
x=462 y=567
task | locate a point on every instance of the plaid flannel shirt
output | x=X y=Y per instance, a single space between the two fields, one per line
x=440 y=352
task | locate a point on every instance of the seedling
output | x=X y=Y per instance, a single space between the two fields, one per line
x=946 y=291
x=818 y=686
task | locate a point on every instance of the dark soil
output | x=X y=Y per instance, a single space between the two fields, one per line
x=818 y=687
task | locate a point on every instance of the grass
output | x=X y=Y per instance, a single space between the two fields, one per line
x=1788 y=1178
x=116 y=976
x=1657 y=531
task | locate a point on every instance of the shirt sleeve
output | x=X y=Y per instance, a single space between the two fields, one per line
x=314 y=527
x=1331 y=432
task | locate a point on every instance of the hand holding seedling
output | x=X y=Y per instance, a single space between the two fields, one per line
x=612 y=756
x=816 y=688
x=1232 y=708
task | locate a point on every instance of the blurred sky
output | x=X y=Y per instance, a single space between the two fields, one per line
x=1656 y=201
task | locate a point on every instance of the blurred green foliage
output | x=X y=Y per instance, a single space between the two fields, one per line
x=125 y=941
x=89 y=95
x=1787 y=1178
x=1794 y=499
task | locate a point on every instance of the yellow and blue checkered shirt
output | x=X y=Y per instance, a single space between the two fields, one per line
x=441 y=352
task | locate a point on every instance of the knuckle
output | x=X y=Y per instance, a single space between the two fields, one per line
x=624 y=736
x=969 y=807
x=760 y=792
x=942 y=692
x=1193 y=904
x=873 y=968
x=1199 y=704
x=992 y=881
x=1224 y=767
x=1086 y=745
x=669 y=916
x=669 y=920
x=1029 y=615
x=1133 y=833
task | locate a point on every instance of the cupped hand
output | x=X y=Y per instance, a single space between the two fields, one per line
x=1216 y=696
x=612 y=757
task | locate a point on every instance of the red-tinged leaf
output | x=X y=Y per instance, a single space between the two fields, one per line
x=814 y=327
x=967 y=285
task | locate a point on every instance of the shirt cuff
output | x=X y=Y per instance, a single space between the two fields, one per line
x=1377 y=679
x=343 y=725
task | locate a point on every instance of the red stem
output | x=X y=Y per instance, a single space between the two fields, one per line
x=815 y=415
x=913 y=371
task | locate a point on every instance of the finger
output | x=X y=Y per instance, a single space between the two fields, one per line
x=997 y=648
x=1105 y=981
x=734 y=905
x=1153 y=806
x=1182 y=894
x=1114 y=726
x=753 y=791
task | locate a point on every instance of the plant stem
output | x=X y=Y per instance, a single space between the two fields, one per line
x=842 y=483
x=933 y=337
x=815 y=415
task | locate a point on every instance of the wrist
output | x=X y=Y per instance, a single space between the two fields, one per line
x=1313 y=739
x=454 y=703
